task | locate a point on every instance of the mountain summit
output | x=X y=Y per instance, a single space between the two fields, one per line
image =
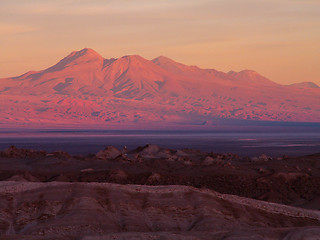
x=85 y=56
x=85 y=88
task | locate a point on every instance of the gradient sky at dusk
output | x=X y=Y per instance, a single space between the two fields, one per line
x=278 y=38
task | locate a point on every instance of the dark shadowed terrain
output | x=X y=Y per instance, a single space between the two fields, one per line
x=163 y=194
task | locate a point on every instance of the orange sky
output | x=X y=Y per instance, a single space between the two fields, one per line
x=278 y=38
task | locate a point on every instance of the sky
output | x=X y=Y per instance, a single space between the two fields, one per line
x=280 y=39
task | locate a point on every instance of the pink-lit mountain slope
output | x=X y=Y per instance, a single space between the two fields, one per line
x=84 y=88
x=305 y=85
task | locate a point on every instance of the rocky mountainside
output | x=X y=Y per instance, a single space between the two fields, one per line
x=86 y=89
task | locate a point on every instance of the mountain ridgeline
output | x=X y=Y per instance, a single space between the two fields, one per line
x=86 y=89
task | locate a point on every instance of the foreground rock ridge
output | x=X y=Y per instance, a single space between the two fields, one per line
x=157 y=193
x=111 y=211
x=86 y=89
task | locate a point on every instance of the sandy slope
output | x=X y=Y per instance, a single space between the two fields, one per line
x=109 y=211
x=59 y=196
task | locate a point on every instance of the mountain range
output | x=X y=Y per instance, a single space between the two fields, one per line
x=85 y=89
